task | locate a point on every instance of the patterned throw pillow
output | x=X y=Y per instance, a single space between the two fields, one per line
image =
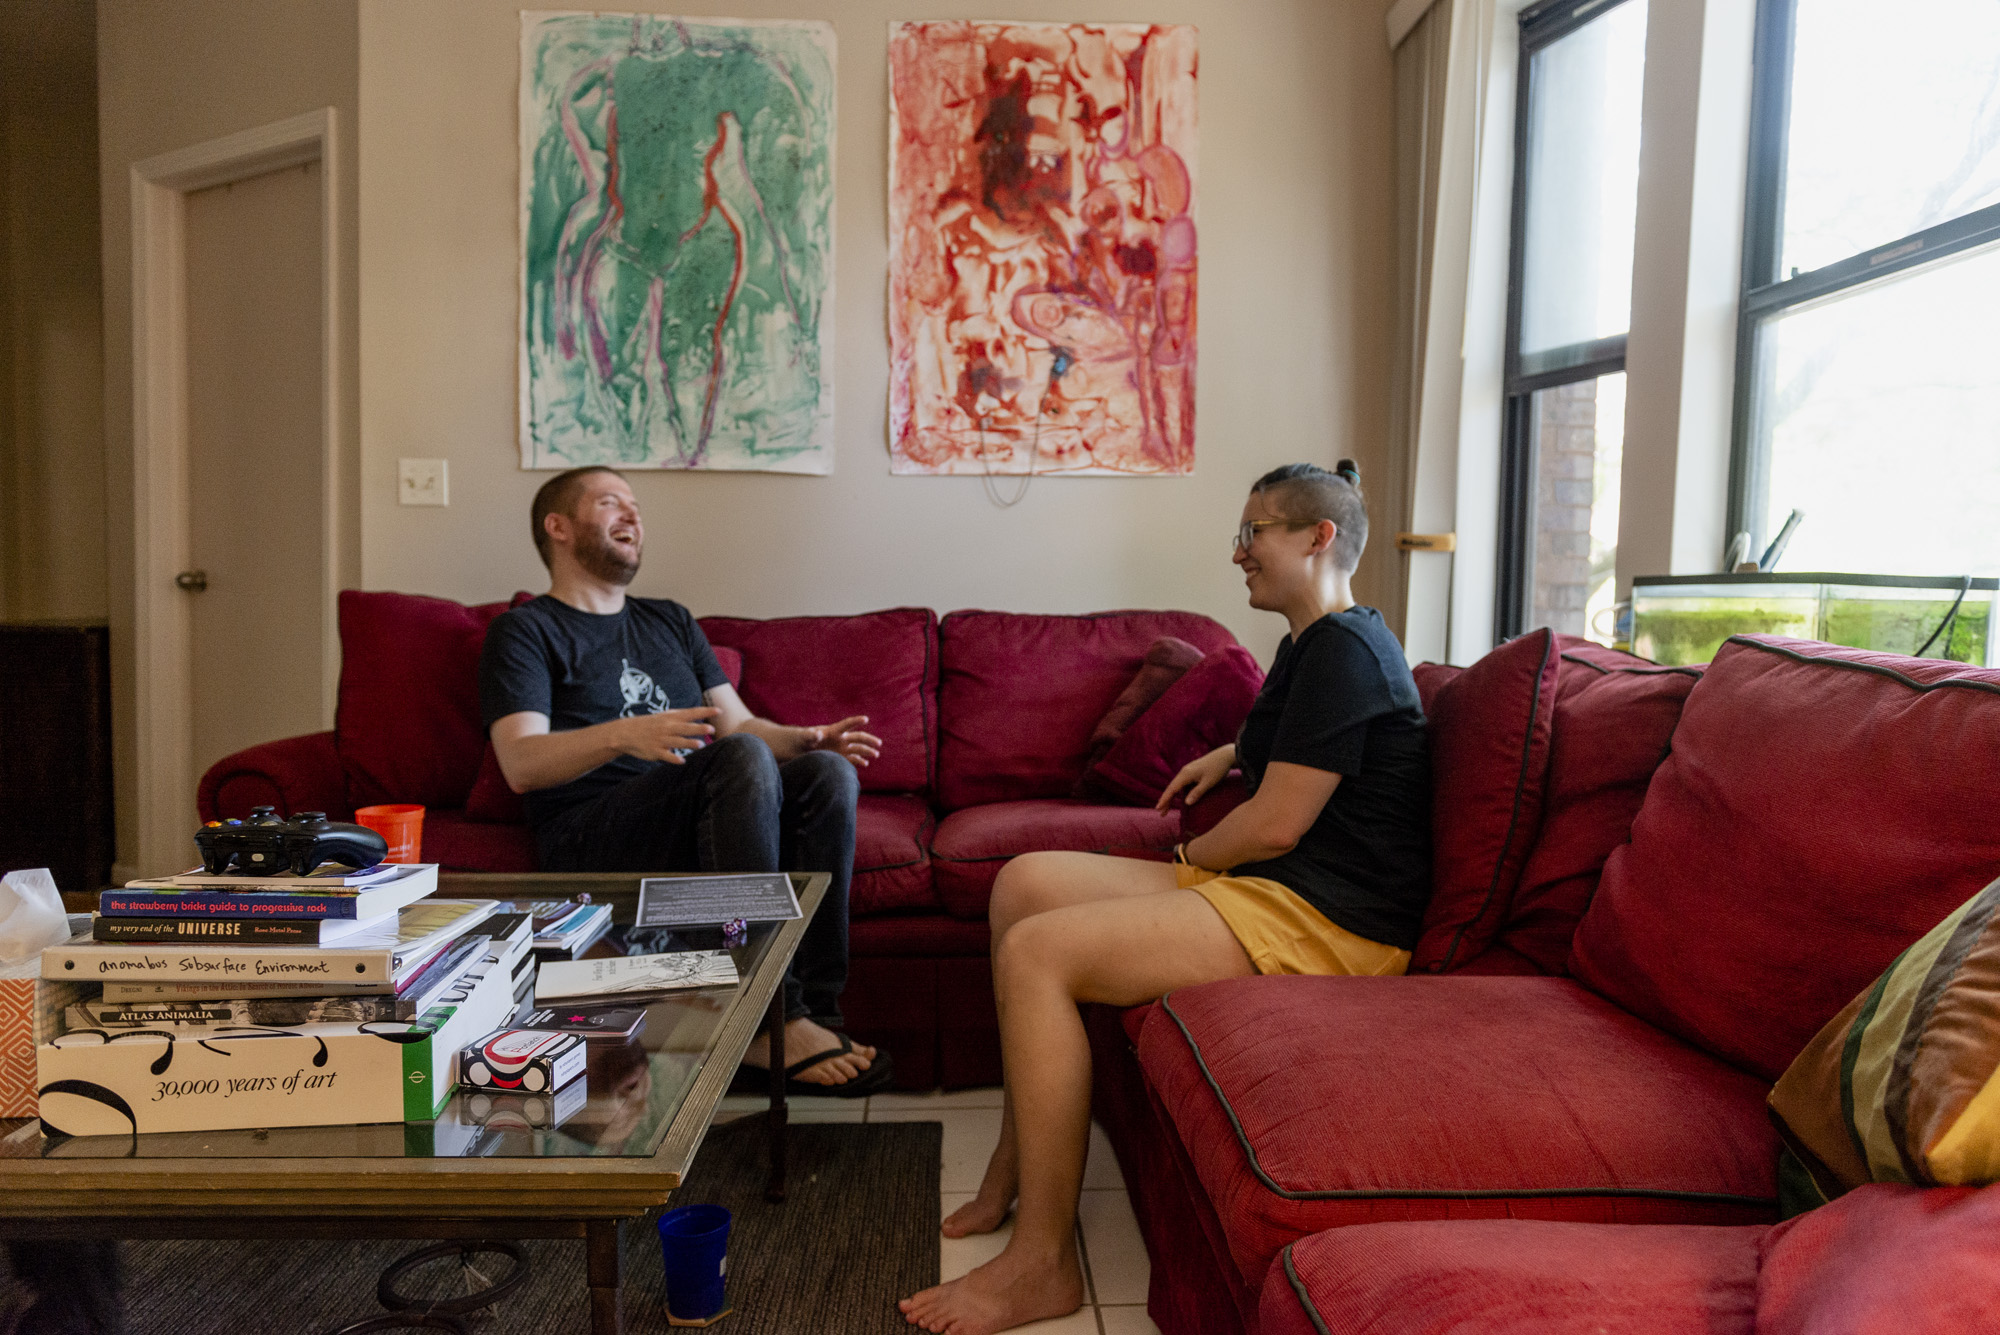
x=1904 y=1084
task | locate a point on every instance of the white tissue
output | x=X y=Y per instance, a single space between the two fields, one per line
x=31 y=914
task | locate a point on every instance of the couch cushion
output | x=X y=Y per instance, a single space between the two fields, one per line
x=1913 y=1260
x=892 y=861
x=1306 y=1103
x=807 y=670
x=1432 y=678
x=1821 y=810
x=1020 y=694
x=1490 y=729
x=972 y=845
x=408 y=726
x=1203 y=710
x=1613 y=721
x=491 y=799
x=1515 y=1277
x=458 y=843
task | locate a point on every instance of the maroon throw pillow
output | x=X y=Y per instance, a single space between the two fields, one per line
x=1167 y=658
x=492 y=800
x=1203 y=710
x=1490 y=729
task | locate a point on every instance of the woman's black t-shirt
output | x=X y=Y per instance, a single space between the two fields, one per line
x=1340 y=698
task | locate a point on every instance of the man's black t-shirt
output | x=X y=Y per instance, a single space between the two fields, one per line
x=581 y=668
x=1340 y=698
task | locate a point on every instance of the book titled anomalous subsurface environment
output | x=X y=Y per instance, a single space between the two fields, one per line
x=375 y=957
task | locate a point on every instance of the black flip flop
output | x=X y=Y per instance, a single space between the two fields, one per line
x=880 y=1072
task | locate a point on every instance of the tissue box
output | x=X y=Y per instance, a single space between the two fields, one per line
x=17 y=1029
x=527 y=1060
x=17 y=1038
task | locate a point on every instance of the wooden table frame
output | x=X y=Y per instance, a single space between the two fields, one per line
x=586 y=1197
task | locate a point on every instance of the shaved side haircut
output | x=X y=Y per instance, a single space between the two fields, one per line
x=1307 y=493
x=558 y=497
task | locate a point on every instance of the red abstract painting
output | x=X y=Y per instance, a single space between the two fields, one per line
x=1041 y=248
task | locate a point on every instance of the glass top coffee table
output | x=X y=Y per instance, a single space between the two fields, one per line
x=489 y=1167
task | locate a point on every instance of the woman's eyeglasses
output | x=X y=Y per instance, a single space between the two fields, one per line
x=1247 y=534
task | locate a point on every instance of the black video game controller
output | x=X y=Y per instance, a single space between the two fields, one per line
x=265 y=845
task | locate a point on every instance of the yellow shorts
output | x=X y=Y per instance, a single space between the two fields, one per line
x=1281 y=933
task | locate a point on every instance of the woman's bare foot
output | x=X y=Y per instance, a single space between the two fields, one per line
x=997 y=1189
x=1010 y=1290
x=988 y=1210
x=802 y=1039
x=982 y=1214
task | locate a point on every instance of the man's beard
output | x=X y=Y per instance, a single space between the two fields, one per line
x=604 y=559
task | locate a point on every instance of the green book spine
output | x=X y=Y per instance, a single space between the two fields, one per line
x=421 y=1098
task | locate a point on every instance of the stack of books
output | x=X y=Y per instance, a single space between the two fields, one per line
x=565 y=928
x=209 y=1002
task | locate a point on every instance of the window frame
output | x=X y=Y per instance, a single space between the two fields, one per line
x=1542 y=25
x=1766 y=293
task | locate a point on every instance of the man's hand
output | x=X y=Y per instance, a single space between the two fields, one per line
x=845 y=739
x=662 y=736
x=1203 y=774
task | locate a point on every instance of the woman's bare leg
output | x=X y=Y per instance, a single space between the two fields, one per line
x=1120 y=954
x=1030 y=884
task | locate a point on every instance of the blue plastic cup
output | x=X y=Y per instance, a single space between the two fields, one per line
x=694 y=1242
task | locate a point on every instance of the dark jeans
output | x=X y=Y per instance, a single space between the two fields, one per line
x=732 y=808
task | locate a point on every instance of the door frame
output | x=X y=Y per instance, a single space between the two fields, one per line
x=163 y=621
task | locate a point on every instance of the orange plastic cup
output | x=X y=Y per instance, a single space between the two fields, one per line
x=402 y=824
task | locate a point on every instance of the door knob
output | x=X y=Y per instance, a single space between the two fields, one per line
x=192 y=581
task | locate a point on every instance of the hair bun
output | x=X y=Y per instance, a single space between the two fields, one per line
x=1350 y=470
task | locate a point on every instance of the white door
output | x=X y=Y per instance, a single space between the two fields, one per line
x=256 y=466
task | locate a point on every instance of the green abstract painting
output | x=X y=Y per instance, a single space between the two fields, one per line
x=677 y=242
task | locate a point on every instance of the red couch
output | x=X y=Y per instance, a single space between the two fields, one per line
x=1654 y=886
x=985 y=716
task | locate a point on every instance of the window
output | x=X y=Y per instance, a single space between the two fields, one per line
x=1576 y=185
x=1868 y=350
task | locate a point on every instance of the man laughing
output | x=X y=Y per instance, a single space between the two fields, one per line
x=632 y=751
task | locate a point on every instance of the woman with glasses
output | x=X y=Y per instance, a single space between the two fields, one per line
x=1324 y=870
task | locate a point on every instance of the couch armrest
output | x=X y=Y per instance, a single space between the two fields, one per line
x=1218 y=802
x=296 y=774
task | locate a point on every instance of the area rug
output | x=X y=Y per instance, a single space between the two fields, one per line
x=859 y=1230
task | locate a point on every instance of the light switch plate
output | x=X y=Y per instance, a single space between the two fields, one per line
x=423 y=482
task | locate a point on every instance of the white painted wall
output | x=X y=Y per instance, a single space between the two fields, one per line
x=171 y=74
x=1295 y=208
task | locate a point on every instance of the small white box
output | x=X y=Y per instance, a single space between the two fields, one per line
x=531 y=1061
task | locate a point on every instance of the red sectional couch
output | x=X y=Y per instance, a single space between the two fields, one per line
x=1654 y=886
x=986 y=719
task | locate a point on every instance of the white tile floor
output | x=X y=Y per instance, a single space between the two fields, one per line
x=1114 y=1258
